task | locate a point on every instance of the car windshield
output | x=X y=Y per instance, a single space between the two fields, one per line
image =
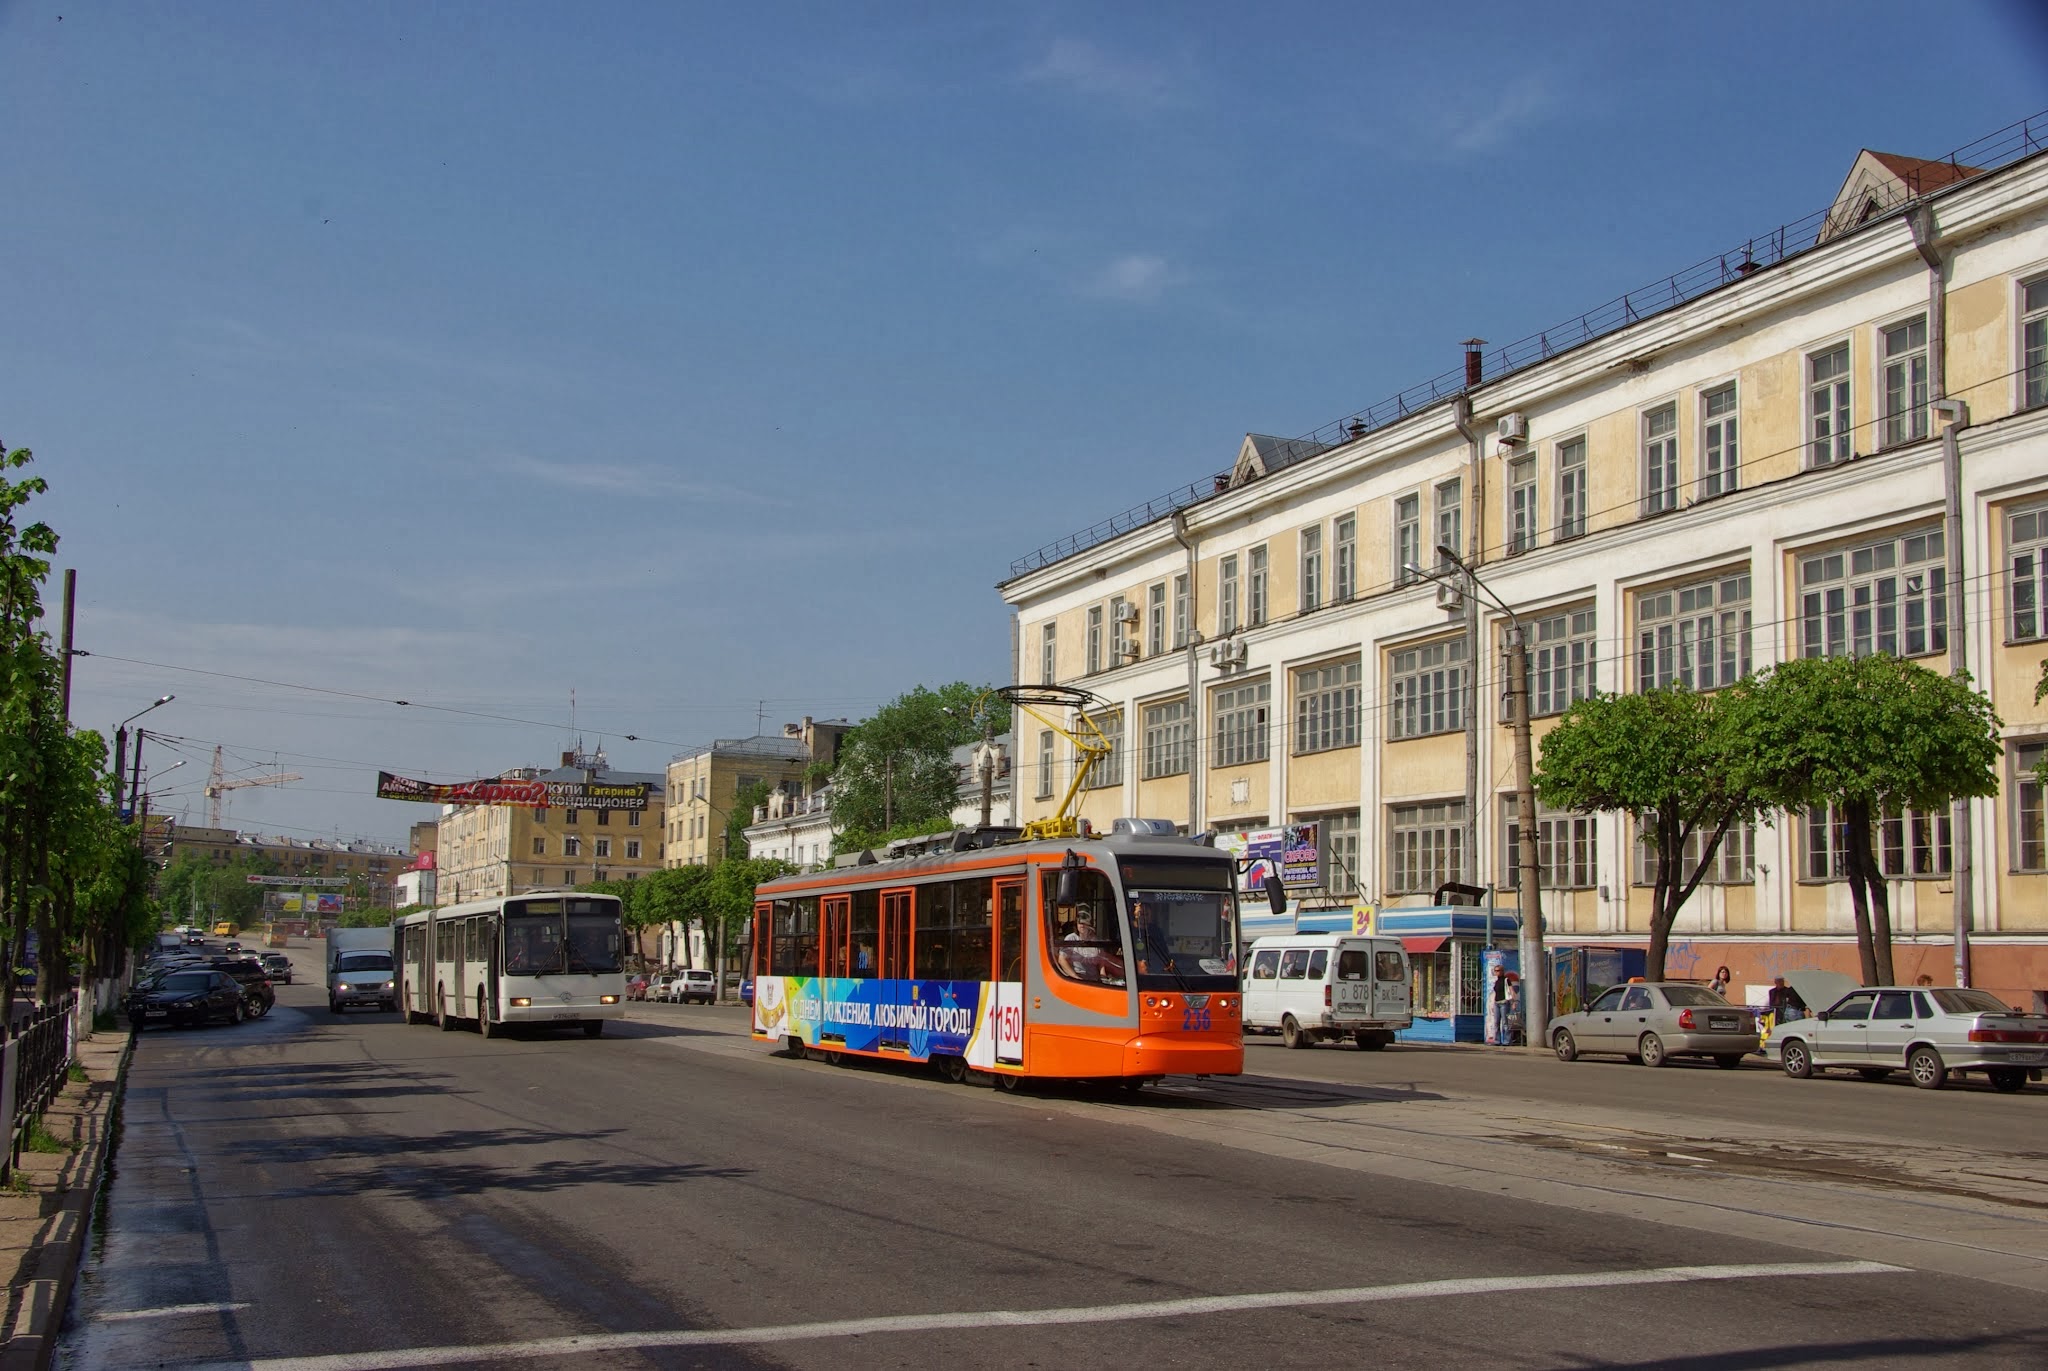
x=1183 y=918
x=1683 y=996
x=186 y=981
x=359 y=962
x=1969 y=1002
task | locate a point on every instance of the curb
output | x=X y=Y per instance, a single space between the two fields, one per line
x=40 y=1301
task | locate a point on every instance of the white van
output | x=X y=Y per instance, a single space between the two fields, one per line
x=1313 y=986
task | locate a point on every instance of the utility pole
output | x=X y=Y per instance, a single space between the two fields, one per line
x=1962 y=874
x=70 y=605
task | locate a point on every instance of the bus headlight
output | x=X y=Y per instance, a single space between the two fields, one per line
x=520 y=1002
x=607 y=999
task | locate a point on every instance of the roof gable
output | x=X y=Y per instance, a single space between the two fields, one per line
x=1880 y=182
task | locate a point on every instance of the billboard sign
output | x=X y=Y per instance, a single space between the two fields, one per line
x=1298 y=853
x=525 y=794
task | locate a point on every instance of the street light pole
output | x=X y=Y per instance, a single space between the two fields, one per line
x=121 y=745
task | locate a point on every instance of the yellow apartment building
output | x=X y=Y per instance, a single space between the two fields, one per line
x=613 y=834
x=704 y=784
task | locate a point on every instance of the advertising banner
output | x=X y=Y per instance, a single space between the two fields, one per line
x=526 y=794
x=327 y=904
x=296 y=880
x=1298 y=853
x=918 y=1018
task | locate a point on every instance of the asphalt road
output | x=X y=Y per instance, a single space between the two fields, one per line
x=307 y=1193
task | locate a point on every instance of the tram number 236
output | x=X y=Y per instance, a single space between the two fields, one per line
x=1193 y=1020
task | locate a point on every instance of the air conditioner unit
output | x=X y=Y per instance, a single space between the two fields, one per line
x=1235 y=653
x=1449 y=596
x=1219 y=653
x=1127 y=649
x=1126 y=613
x=1513 y=428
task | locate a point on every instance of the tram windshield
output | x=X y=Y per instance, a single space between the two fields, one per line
x=1183 y=917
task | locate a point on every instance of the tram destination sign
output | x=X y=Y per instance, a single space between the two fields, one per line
x=528 y=794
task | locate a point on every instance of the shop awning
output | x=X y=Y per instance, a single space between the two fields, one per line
x=1433 y=944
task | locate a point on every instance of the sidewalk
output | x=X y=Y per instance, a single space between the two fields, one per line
x=43 y=1228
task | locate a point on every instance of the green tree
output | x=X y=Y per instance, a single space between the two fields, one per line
x=896 y=767
x=674 y=896
x=741 y=815
x=1866 y=736
x=731 y=905
x=1664 y=757
x=200 y=891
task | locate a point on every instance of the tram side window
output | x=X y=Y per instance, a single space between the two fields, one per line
x=1294 y=964
x=972 y=912
x=866 y=935
x=1351 y=964
x=1266 y=965
x=1318 y=963
x=934 y=941
x=1086 y=937
x=796 y=938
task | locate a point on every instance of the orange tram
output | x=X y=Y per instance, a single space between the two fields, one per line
x=1110 y=957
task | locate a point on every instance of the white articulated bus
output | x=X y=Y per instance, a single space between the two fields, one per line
x=550 y=957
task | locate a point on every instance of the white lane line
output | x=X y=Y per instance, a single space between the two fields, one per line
x=168 y=1311
x=589 y=1343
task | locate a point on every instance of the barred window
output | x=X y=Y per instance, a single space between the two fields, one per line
x=2029 y=838
x=1571 y=488
x=1326 y=706
x=1567 y=847
x=1344 y=558
x=1566 y=652
x=1155 y=619
x=1240 y=713
x=1734 y=860
x=1889 y=596
x=1429 y=689
x=1696 y=636
x=1109 y=770
x=1909 y=844
x=1720 y=465
x=2026 y=548
x=1425 y=846
x=1660 y=459
x=1311 y=568
x=1168 y=741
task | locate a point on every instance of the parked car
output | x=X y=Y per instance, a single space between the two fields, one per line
x=747 y=990
x=1653 y=1021
x=257 y=994
x=1929 y=1032
x=700 y=986
x=278 y=965
x=636 y=987
x=187 y=997
x=657 y=989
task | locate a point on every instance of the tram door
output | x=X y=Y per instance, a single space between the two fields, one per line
x=834 y=953
x=1010 y=954
x=895 y=934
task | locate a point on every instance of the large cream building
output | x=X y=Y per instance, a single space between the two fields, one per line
x=704 y=784
x=1741 y=465
x=490 y=850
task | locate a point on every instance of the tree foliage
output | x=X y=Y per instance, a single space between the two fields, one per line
x=1664 y=756
x=198 y=890
x=895 y=769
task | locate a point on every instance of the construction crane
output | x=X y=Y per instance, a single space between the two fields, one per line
x=218 y=785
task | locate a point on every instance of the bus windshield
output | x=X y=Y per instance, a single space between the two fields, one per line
x=1183 y=917
x=553 y=937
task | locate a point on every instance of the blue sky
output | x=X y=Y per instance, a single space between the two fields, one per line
x=714 y=362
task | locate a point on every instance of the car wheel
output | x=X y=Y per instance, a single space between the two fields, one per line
x=2006 y=1079
x=1873 y=1073
x=1565 y=1045
x=1930 y=1072
x=1794 y=1057
x=1729 y=1061
x=1291 y=1034
x=235 y=1014
x=1652 y=1049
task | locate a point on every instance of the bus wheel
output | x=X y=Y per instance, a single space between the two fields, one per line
x=442 y=1018
x=953 y=1069
x=593 y=1028
x=484 y=1025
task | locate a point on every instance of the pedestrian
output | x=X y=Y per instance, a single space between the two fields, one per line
x=1719 y=985
x=1783 y=1004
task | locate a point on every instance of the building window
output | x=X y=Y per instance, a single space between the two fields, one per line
x=1180 y=611
x=1425 y=846
x=1909 y=845
x=1240 y=713
x=604 y=847
x=1567 y=848
x=572 y=846
x=1340 y=838
x=1326 y=706
x=1450 y=518
x=603 y=816
x=1108 y=770
x=1226 y=595
x=632 y=849
x=1167 y=739
x=2034 y=340
x=2030 y=833
x=1571 y=488
x=1565 y=653
x=568 y=878
x=1905 y=382
x=1720 y=462
x=570 y=816
x=1123 y=634
x=540 y=847
x=2027 y=554
x=1048 y=653
x=1831 y=437
x=540 y=816
x=1045 y=765
x=1734 y=860
x=1889 y=597
x=1695 y=636
x=1255 y=587
x=1155 y=619
x=1093 y=654
x=1521 y=504
x=1344 y=558
x=1407 y=538
x=1660 y=459
x=632 y=818
x=1429 y=689
x=1311 y=568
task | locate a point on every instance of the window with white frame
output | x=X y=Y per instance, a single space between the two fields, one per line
x=1571 y=488
x=1326 y=706
x=1108 y=770
x=1241 y=714
x=2029 y=820
x=1045 y=765
x=1311 y=568
x=1425 y=846
x=632 y=849
x=2034 y=342
x=1226 y=595
x=572 y=846
x=2026 y=551
x=604 y=847
x=1831 y=435
x=1344 y=558
x=1567 y=847
x=1522 y=504
x=1407 y=537
x=1450 y=520
x=1904 y=349
x=1341 y=833
x=1564 y=655
x=1255 y=587
x=1180 y=611
x=1428 y=689
x=1734 y=860
x=1889 y=596
x=1122 y=637
x=540 y=847
x=1720 y=459
x=1092 y=642
x=1168 y=740
x=1909 y=844
x=1660 y=459
x=1696 y=636
x=1155 y=620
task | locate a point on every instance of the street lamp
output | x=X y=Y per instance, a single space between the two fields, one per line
x=121 y=744
x=1535 y=965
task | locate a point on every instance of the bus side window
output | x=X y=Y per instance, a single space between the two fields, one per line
x=1293 y=963
x=1318 y=963
x=1265 y=965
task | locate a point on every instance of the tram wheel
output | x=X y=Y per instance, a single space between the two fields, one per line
x=954 y=1069
x=1008 y=1081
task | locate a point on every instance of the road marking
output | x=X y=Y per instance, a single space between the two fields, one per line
x=587 y=1344
x=168 y=1311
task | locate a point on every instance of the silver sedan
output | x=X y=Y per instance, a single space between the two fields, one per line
x=1930 y=1032
x=1653 y=1021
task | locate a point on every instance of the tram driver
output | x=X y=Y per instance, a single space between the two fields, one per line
x=1085 y=954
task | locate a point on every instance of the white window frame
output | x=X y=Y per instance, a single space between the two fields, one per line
x=1343 y=558
x=1830 y=420
x=1427 y=688
x=1564 y=656
x=1155 y=618
x=1327 y=705
x=2029 y=812
x=2033 y=317
x=632 y=849
x=1092 y=642
x=1695 y=634
x=1118 y=654
x=1180 y=611
x=1570 y=456
x=1720 y=450
x=1311 y=568
x=1045 y=764
x=2026 y=565
x=1909 y=845
x=1168 y=739
x=1342 y=833
x=1881 y=595
x=1425 y=846
x=1226 y=594
x=1407 y=536
x=1734 y=860
x=1048 y=652
x=1658 y=427
x=1243 y=715
x=1521 y=493
x=1567 y=846
x=1109 y=770
x=604 y=848
x=1902 y=383
x=1255 y=586
x=1450 y=520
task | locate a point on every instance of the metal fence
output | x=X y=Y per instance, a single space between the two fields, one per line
x=33 y=1066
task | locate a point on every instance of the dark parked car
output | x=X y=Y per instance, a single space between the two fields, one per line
x=278 y=965
x=187 y=997
x=254 y=980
